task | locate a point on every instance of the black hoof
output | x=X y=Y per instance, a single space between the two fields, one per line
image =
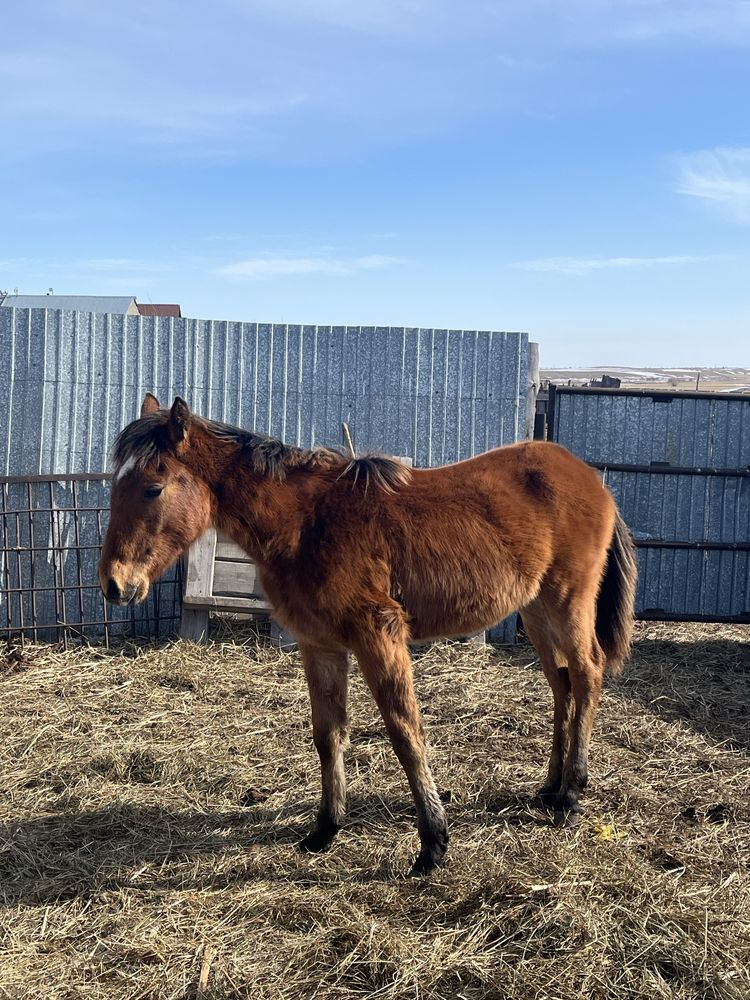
x=546 y=796
x=424 y=865
x=567 y=809
x=430 y=857
x=567 y=819
x=319 y=839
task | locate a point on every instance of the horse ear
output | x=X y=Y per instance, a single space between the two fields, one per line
x=150 y=404
x=179 y=420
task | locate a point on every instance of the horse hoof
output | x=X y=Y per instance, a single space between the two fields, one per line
x=430 y=858
x=423 y=866
x=545 y=797
x=317 y=840
x=565 y=819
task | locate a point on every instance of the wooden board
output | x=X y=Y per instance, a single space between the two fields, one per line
x=199 y=572
x=240 y=605
x=235 y=578
x=227 y=549
x=219 y=577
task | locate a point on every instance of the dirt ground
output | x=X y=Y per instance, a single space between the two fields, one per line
x=152 y=799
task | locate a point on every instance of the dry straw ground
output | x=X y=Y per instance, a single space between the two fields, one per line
x=152 y=799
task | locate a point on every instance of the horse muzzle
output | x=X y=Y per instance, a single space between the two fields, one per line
x=123 y=596
x=121 y=586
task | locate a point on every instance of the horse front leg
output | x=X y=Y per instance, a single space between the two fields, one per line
x=387 y=669
x=327 y=674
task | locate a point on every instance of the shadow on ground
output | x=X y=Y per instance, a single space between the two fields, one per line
x=76 y=855
x=705 y=684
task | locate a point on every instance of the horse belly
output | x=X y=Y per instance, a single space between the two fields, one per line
x=464 y=600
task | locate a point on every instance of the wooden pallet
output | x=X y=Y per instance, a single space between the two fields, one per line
x=220 y=578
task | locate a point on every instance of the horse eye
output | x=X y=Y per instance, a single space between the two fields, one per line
x=152 y=491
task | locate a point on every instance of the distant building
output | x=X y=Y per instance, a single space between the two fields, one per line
x=605 y=382
x=159 y=309
x=124 y=305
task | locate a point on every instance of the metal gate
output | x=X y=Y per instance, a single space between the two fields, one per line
x=51 y=530
x=678 y=464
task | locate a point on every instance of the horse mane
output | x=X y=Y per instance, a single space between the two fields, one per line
x=386 y=473
x=146 y=438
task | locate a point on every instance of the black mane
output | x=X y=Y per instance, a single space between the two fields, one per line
x=146 y=438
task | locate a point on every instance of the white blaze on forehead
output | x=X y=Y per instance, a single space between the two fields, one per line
x=127 y=466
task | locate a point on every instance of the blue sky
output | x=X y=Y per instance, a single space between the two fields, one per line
x=579 y=170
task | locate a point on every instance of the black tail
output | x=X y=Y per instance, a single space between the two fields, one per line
x=616 y=601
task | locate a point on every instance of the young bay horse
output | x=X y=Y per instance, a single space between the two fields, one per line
x=363 y=555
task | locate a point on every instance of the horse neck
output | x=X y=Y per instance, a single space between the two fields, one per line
x=260 y=513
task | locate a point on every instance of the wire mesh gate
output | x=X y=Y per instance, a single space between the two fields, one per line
x=51 y=531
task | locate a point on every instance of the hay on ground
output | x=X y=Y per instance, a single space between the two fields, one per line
x=152 y=799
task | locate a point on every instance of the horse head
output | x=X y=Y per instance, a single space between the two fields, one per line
x=159 y=503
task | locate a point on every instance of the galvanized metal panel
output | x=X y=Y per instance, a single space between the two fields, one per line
x=704 y=510
x=638 y=429
x=700 y=509
x=693 y=584
x=69 y=381
x=683 y=508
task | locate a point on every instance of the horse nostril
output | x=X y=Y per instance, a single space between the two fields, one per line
x=113 y=591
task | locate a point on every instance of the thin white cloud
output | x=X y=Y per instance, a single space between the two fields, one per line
x=541 y=23
x=293 y=76
x=372 y=16
x=117 y=265
x=639 y=22
x=585 y=265
x=720 y=176
x=269 y=266
x=302 y=78
x=81 y=267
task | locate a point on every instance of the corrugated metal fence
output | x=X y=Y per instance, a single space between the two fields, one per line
x=69 y=381
x=678 y=465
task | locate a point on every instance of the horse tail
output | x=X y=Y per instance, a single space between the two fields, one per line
x=616 y=600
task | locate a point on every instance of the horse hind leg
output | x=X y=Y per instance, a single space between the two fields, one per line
x=327 y=674
x=556 y=672
x=586 y=665
x=572 y=624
